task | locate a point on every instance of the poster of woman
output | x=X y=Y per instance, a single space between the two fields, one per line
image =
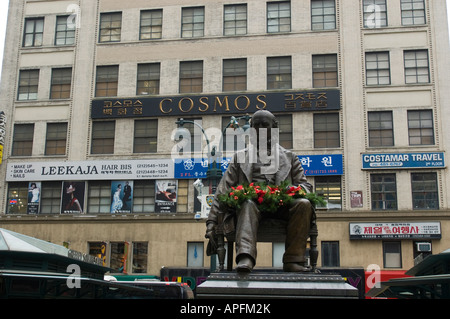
x=121 y=197
x=73 y=198
x=34 y=197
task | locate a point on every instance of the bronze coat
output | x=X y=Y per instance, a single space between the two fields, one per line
x=239 y=172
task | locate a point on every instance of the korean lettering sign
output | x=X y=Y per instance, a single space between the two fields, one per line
x=313 y=165
x=424 y=230
x=403 y=160
x=295 y=101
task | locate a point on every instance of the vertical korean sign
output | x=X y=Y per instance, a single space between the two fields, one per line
x=166 y=196
x=2 y=133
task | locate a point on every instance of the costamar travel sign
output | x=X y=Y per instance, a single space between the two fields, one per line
x=403 y=160
x=156 y=106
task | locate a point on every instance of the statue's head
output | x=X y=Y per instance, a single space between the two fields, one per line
x=263 y=119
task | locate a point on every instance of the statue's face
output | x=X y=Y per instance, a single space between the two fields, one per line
x=262 y=121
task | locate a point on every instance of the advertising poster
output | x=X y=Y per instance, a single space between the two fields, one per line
x=121 y=197
x=34 y=197
x=73 y=198
x=166 y=196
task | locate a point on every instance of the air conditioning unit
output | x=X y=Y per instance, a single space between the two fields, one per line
x=423 y=247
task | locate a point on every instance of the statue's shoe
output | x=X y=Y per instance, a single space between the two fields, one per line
x=295 y=267
x=245 y=265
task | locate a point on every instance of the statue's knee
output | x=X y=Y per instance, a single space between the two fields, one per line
x=303 y=203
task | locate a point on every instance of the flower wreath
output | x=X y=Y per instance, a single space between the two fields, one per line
x=269 y=198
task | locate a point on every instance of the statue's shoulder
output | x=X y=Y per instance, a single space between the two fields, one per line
x=290 y=154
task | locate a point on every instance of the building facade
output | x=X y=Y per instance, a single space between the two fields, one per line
x=93 y=91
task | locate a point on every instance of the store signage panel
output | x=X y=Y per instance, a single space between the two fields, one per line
x=313 y=165
x=403 y=160
x=397 y=230
x=221 y=104
x=90 y=170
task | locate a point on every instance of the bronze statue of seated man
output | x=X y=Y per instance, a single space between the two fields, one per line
x=245 y=168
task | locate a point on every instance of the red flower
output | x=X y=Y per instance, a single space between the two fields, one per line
x=260 y=199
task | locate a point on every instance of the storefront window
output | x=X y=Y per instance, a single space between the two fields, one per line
x=17 y=198
x=140 y=254
x=118 y=256
x=195 y=254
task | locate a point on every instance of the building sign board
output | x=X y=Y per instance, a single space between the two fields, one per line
x=186 y=168
x=397 y=230
x=403 y=160
x=90 y=170
x=313 y=165
x=157 y=106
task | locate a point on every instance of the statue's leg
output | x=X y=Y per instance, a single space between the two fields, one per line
x=299 y=221
x=246 y=232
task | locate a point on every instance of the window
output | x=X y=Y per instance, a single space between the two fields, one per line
x=326 y=130
x=383 y=191
x=285 y=130
x=140 y=256
x=33 y=32
x=325 y=72
x=56 y=139
x=182 y=199
x=17 y=198
x=392 y=254
x=191 y=77
x=420 y=127
x=65 y=31
x=145 y=136
x=51 y=198
x=323 y=15
x=195 y=134
x=110 y=27
x=118 y=257
x=193 y=22
x=235 y=19
x=28 y=85
x=195 y=254
x=279 y=73
x=148 y=79
x=103 y=134
x=278 y=17
x=61 y=83
x=235 y=75
x=107 y=81
x=99 y=197
x=330 y=254
x=151 y=24
x=98 y=249
x=329 y=187
x=375 y=13
x=144 y=196
x=424 y=191
x=23 y=140
x=381 y=129
x=378 y=68
x=413 y=12
x=417 y=67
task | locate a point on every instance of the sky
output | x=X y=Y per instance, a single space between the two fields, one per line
x=4 y=14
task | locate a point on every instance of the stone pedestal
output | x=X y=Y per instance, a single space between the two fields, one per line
x=275 y=285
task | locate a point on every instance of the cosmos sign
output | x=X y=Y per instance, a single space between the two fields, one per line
x=293 y=101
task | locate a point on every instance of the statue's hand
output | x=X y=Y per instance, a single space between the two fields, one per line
x=210 y=234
